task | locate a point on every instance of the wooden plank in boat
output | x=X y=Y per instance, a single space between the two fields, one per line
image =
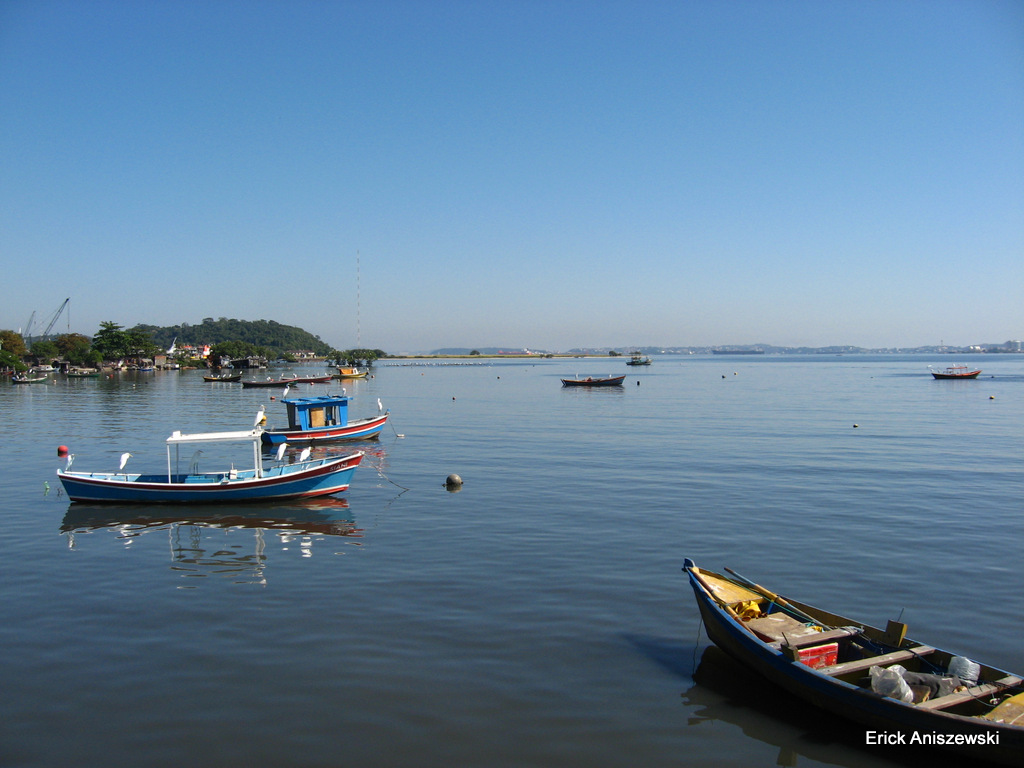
x=975 y=692
x=778 y=626
x=820 y=637
x=860 y=665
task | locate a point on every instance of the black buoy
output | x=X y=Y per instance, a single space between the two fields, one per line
x=453 y=482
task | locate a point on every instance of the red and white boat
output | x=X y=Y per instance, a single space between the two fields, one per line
x=956 y=372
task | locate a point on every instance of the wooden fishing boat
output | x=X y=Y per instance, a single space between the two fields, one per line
x=82 y=374
x=324 y=419
x=846 y=668
x=956 y=372
x=224 y=377
x=610 y=381
x=639 y=360
x=348 y=372
x=286 y=380
x=281 y=480
x=26 y=379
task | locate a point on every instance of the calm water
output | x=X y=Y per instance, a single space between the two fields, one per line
x=537 y=617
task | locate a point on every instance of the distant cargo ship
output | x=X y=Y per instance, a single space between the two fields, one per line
x=737 y=351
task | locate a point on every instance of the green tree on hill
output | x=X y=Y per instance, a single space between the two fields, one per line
x=13 y=343
x=356 y=357
x=268 y=335
x=115 y=343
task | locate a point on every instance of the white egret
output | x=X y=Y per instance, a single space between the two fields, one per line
x=71 y=458
x=280 y=451
x=124 y=459
x=305 y=454
x=260 y=416
x=380 y=405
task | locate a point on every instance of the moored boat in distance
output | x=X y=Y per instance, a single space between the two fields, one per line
x=639 y=359
x=350 y=372
x=281 y=480
x=224 y=377
x=590 y=381
x=878 y=678
x=956 y=372
x=324 y=418
x=286 y=380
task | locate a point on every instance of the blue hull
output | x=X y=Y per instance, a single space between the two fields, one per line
x=364 y=429
x=849 y=700
x=315 y=478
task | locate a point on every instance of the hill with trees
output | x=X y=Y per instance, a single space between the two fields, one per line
x=266 y=334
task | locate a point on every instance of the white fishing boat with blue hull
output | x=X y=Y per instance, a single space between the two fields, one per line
x=280 y=480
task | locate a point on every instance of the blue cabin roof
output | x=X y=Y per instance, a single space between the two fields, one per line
x=320 y=411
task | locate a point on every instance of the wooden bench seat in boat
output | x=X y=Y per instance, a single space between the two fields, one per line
x=859 y=665
x=816 y=638
x=776 y=628
x=974 y=692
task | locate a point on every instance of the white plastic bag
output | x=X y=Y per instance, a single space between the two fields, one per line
x=889 y=682
x=965 y=669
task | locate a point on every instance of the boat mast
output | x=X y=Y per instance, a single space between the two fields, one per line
x=359 y=333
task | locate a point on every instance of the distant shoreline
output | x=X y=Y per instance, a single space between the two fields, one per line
x=544 y=356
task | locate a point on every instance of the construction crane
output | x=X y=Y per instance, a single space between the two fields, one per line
x=27 y=335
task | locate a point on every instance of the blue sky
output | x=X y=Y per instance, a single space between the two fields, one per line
x=528 y=173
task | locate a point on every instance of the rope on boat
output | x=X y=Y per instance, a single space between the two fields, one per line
x=379 y=467
x=381 y=473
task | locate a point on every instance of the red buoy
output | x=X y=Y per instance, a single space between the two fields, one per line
x=62 y=450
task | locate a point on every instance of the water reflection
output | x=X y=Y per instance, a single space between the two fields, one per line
x=196 y=541
x=728 y=692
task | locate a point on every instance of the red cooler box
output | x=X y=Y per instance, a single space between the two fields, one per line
x=819 y=655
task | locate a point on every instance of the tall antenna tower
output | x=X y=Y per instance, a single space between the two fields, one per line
x=359 y=330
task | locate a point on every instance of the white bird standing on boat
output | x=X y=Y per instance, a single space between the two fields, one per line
x=260 y=416
x=286 y=388
x=305 y=454
x=380 y=406
x=280 y=451
x=124 y=459
x=67 y=465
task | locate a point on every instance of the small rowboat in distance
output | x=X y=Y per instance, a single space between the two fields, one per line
x=843 y=666
x=610 y=381
x=956 y=372
x=224 y=377
x=279 y=480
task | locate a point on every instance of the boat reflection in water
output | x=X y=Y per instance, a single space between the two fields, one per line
x=725 y=691
x=194 y=551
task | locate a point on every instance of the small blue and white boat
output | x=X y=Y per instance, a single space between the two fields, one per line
x=280 y=480
x=324 y=418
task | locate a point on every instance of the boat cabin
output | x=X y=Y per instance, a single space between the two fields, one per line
x=314 y=412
